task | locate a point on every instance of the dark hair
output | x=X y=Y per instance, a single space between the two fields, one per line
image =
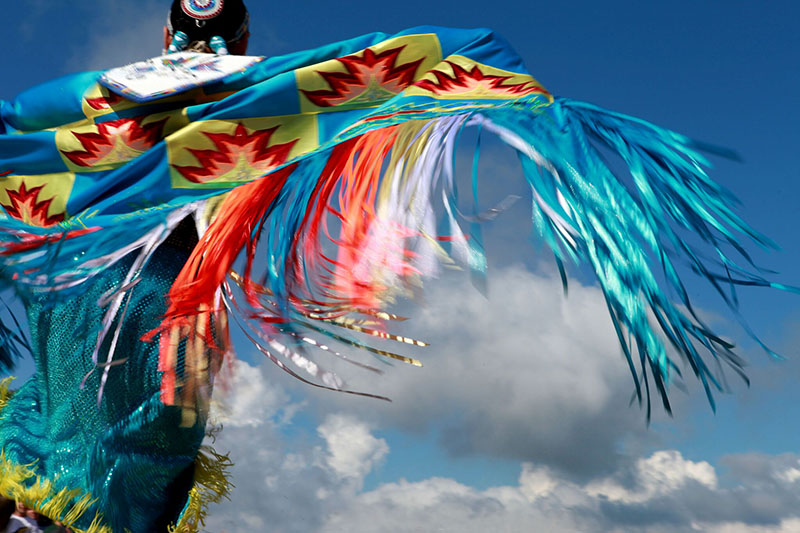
x=7 y=508
x=230 y=24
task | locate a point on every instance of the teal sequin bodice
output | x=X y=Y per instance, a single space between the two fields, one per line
x=129 y=451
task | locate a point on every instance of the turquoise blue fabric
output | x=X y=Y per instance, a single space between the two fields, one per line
x=632 y=231
x=130 y=451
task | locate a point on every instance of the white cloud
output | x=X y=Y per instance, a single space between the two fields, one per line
x=526 y=374
x=791 y=525
x=529 y=375
x=352 y=450
x=285 y=483
x=666 y=499
x=244 y=398
x=439 y=505
x=536 y=482
x=295 y=482
x=791 y=475
x=662 y=473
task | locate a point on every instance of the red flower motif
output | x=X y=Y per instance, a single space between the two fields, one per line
x=469 y=81
x=116 y=141
x=238 y=157
x=103 y=103
x=369 y=78
x=25 y=206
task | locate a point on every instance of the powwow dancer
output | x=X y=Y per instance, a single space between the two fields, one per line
x=123 y=222
x=128 y=462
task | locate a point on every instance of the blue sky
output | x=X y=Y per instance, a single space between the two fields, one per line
x=517 y=423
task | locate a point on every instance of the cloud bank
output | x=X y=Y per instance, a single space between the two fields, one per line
x=303 y=483
x=527 y=375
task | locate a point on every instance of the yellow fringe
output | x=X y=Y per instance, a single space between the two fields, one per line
x=66 y=506
x=211 y=484
x=5 y=391
x=43 y=497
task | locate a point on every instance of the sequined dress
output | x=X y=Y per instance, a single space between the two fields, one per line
x=131 y=453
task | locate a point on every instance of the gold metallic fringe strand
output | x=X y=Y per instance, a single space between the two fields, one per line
x=211 y=484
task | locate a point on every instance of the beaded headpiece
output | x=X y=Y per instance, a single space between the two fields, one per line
x=216 y=22
x=202 y=9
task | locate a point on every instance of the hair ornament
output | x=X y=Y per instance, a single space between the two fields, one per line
x=202 y=9
x=179 y=42
x=218 y=45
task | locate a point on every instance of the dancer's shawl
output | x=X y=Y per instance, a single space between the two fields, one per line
x=333 y=169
